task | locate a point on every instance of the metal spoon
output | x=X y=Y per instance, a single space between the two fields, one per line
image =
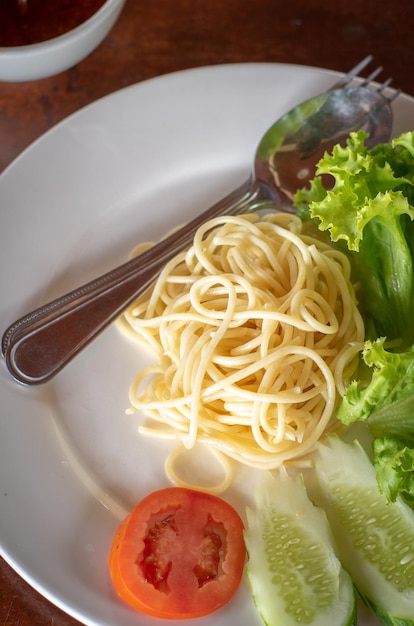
x=41 y=343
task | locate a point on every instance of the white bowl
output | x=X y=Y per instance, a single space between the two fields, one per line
x=39 y=60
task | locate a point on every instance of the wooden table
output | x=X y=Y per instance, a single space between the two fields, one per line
x=161 y=36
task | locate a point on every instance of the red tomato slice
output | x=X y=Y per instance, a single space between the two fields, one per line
x=179 y=554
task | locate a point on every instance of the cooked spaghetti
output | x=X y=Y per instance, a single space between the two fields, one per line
x=257 y=331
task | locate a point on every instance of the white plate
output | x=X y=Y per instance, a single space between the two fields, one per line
x=122 y=170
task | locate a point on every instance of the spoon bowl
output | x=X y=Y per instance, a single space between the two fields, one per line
x=287 y=154
x=38 y=345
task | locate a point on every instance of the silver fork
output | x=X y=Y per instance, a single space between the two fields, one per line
x=39 y=344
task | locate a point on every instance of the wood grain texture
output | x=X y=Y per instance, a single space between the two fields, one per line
x=161 y=36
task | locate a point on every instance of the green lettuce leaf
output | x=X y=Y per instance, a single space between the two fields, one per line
x=394 y=467
x=370 y=208
x=364 y=199
x=386 y=403
x=387 y=399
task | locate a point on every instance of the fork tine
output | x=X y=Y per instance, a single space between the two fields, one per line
x=383 y=86
x=371 y=77
x=353 y=72
x=392 y=96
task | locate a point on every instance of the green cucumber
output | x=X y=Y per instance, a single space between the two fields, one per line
x=295 y=576
x=375 y=538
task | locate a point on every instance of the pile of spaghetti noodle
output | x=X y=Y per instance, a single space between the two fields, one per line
x=257 y=332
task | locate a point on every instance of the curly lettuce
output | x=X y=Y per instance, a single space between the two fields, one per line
x=386 y=403
x=387 y=400
x=394 y=467
x=370 y=208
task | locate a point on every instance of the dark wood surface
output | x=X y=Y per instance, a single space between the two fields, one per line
x=157 y=37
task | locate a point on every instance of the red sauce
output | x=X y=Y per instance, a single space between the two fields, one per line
x=25 y=22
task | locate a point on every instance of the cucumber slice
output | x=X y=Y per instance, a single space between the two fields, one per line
x=293 y=571
x=375 y=538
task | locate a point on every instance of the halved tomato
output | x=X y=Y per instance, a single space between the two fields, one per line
x=179 y=554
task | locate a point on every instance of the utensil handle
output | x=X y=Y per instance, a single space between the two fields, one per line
x=41 y=347
x=38 y=345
